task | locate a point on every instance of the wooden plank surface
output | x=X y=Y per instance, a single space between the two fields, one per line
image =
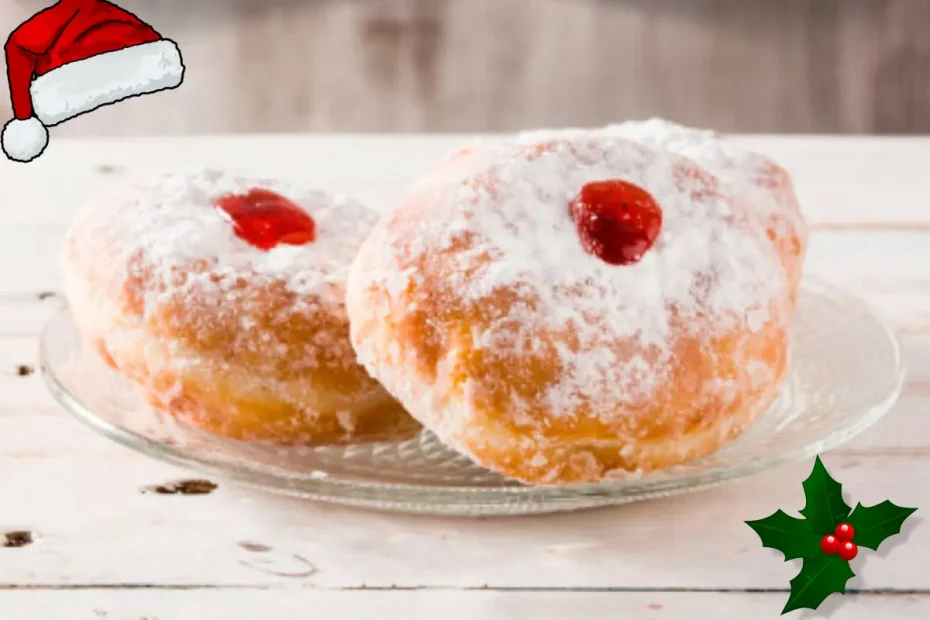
x=103 y=548
x=429 y=605
x=856 y=66
x=448 y=605
x=96 y=528
x=841 y=184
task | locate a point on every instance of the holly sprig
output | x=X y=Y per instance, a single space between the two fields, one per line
x=827 y=538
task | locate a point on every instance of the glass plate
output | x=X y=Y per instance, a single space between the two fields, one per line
x=846 y=372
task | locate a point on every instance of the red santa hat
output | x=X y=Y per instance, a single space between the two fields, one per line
x=75 y=57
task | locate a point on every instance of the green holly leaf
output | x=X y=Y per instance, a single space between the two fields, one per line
x=821 y=575
x=825 y=508
x=873 y=524
x=782 y=532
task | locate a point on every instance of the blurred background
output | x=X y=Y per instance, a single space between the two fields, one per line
x=825 y=66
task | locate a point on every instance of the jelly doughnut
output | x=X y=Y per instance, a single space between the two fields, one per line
x=574 y=306
x=223 y=299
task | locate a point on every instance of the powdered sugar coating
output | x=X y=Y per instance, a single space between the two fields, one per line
x=494 y=222
x=214 y=327
x=763 y=185
x=171 y=219
x=169 y=226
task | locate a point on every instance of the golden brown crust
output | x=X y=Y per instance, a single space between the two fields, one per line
x=226 y=400
x=421 y=340
x=433 y=346
x=785 y=227
x=244 y=356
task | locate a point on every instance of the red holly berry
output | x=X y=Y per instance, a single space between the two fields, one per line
x=829 y=544
x=848 y=550
x=845 y=532
x=265 y=219
x=617 y=221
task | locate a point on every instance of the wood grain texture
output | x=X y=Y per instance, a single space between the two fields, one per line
x=844 y=183
x=430 y=605
x=852 y=66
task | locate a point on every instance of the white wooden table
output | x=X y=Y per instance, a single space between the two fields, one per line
x=103 y=549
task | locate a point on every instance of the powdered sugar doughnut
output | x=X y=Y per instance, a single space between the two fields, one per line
x=225 y=302
x=483 y=303
x=763 y=185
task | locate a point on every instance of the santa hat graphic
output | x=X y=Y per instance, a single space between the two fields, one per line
x=75 y=57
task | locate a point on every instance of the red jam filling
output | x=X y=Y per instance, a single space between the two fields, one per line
x=617 y=221
x=266 y=219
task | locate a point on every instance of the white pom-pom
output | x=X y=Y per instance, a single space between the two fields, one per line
x=24 y=140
